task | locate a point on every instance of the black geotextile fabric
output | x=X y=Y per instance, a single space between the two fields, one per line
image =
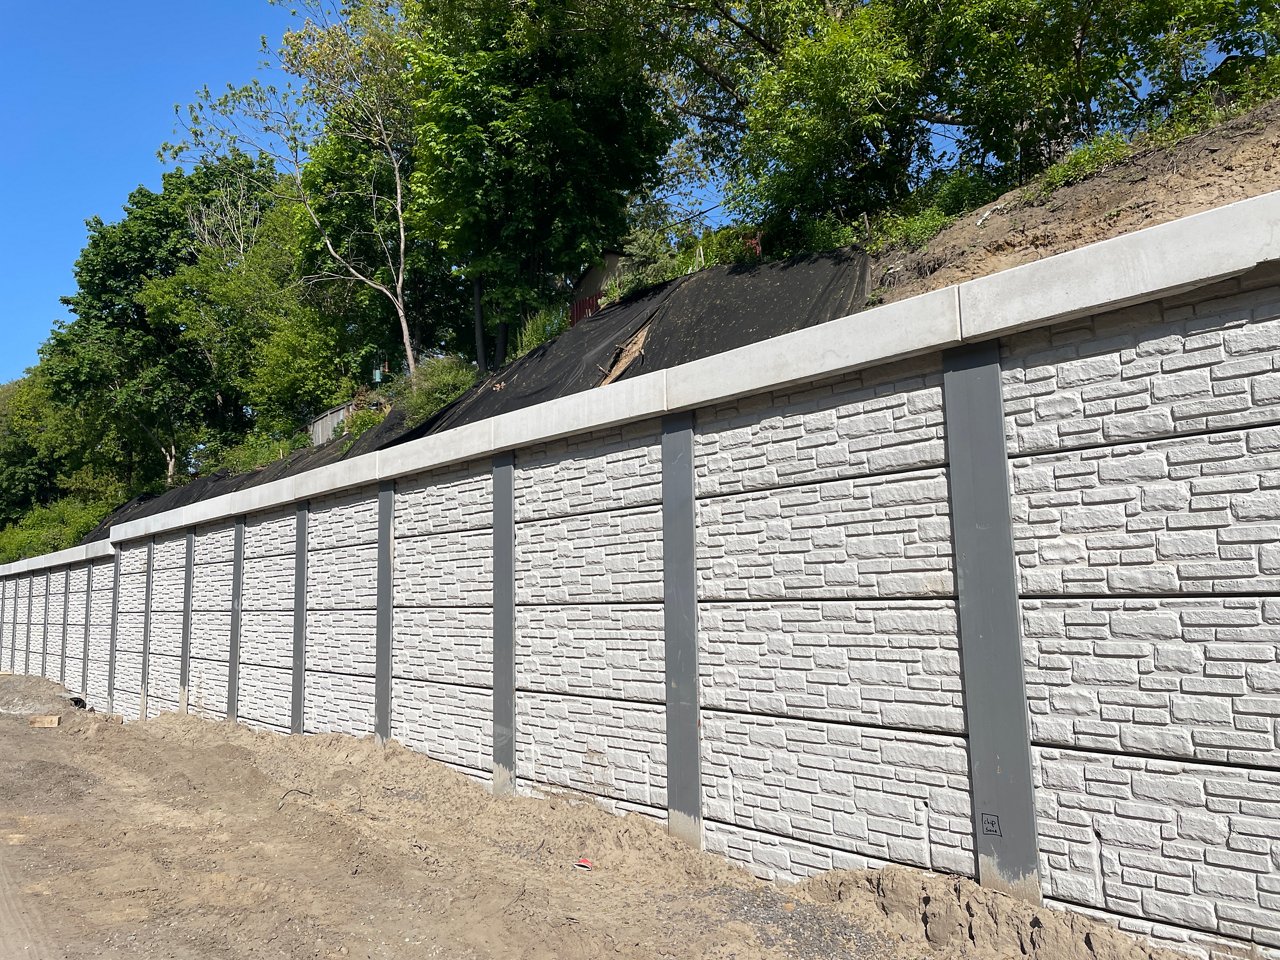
x=697 y=316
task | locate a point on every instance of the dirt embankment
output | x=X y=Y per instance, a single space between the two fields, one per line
x=181 y=839
x=1235 y=161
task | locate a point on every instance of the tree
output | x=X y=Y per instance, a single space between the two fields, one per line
x=142 y=384
x=350 y=111
x=535 y=123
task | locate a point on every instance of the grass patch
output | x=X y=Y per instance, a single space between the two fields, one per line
x=543 y=327
x=436 y=383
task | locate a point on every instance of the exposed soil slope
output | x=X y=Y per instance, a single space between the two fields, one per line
x=1234 y=161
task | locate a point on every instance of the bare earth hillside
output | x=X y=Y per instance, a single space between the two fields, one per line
x=1235 y=161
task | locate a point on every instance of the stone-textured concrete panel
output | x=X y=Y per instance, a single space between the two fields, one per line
x=1145 y=372
x=343 y=579
x=270 y=534
x=774 y=857
x=165 y=638
x=452 y=645
x=170 y=552
x=613 y=469
x=1191 y=844
x=444 y=501
x=338 y=704
x=893 y=796
x=133 y=592
x=265 y=696
x=168 y=590
x=211 y=635
x=268 y=583
x=887 y=419
x=444 y=569
x=163 y=680
x=597 y=650
x=1194 y=515
x=874 y=662
x=211 y=586
x=207 y=691
x=601 y=557
x=1192 y=677
x=447 y=723
x=341 y=641
x=266 y=638
x=879 y=537
x=214 y=544
x=601 y=747
x=343 y=521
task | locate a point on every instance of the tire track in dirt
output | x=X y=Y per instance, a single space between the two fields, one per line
x=21 y=928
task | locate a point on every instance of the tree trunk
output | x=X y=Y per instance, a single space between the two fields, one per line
x=404 y=332
x=500 y=350
x=480 y=359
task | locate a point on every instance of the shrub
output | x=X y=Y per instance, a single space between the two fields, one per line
x=1100 y=153
x=544 y=326
x=360 y=422
x=55 y=526
x=436 y=383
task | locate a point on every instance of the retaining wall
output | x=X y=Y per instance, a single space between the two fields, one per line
x=749 y=595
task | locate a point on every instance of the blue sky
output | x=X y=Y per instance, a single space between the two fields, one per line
x=87 y=91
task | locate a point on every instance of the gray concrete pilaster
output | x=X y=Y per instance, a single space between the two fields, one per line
x=146 y=628
x=88 y=620
x=382 y=637
x=995 y=699
x=4 y=606
x=680 y=627
x=115 y=629
x=237 y=587
x=26 y=659
x=184 y=655
x=44 y=630
x=296 y=712
x=504 y=626
x=66 y=603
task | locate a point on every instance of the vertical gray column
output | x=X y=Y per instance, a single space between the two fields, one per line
x=382 y=635
x=1004 y=823
x=680 y=628
x=115 y=629
x=233 y=664
x=44 y=631
x=299 y=617
x=31 y=590
x=13 y=634
x=4 y=606
x=504 y=625
x=66 y=607
x=184 y=656
x=146 y=628
x=88 y=618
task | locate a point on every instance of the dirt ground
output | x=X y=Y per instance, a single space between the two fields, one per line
x=1234 y=161
x=179 y=838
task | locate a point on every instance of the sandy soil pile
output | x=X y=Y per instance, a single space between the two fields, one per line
x=179 y=838
x=960 y=918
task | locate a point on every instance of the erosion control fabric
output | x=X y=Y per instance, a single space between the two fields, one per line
x=693 y=317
